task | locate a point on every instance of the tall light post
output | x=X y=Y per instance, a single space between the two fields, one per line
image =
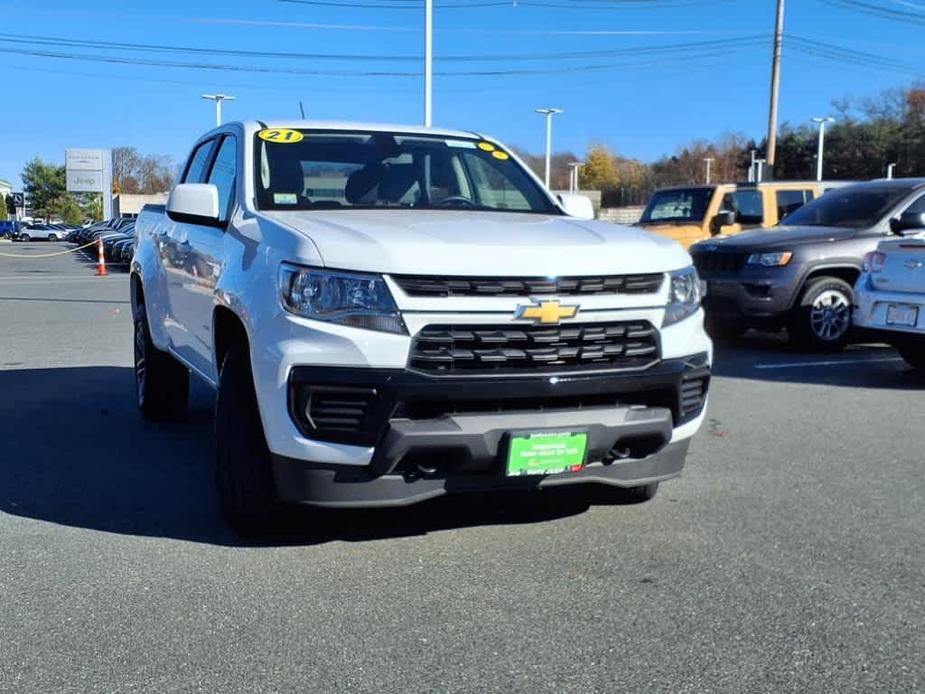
x=708 y=161
x=573 y=175
x=821 y=122
x=428 y=60
x=549 y=113
x=889 y=169
x=218 y=99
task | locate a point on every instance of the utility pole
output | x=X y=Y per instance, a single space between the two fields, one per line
x=708 y=161
x=821 y=122
x=573 y=176
x=218 y=99
x=549 y=113
x=775 y=86
x=889 y=169
x=428 y=61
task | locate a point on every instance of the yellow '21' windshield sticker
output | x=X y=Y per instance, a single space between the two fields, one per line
x=281 y=135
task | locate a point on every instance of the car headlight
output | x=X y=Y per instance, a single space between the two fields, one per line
x=778 y=259
x=684 y=295
x=346 y=298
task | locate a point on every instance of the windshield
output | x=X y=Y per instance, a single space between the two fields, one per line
x=851 y=207
x=305 y=170
x=678 y=205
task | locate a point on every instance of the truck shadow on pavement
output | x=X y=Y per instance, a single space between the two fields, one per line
x=770 y=357
x=74 y=451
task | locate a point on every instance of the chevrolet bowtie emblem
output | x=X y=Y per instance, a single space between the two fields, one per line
x=545 y=312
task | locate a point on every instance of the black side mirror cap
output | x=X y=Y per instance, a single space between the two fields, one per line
x=907 y=221
x=723 y=218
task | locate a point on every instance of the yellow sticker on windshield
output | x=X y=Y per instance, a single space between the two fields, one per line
x=281 y=135
x=486 y=146
x=498 y=154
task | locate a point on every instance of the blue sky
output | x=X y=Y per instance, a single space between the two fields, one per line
x=640 y=101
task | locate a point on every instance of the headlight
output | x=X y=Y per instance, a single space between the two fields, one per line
x=347 y=298
x=684 y=295
x=778 y=259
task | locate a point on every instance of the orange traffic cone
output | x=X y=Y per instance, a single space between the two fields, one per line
x=101 y=263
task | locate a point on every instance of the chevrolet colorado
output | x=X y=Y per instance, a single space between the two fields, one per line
x=389 y=314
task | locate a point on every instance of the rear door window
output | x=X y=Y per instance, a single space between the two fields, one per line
x=789 y=201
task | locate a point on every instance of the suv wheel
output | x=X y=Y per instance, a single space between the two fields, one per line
x=161 y=382
x=243 y=470
x=822 y=319
x=632 y=495
x=52 y=237
x=25 y=237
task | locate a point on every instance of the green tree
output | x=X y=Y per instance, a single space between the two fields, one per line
x=45 y=186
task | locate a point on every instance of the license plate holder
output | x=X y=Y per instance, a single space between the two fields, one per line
x=545 y=452
x=902 y=314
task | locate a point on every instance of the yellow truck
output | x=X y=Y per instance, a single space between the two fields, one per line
x=689 y=214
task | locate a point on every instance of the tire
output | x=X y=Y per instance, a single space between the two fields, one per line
x=52 y=238
x=724 y=331
x=161 y=382
x=632 y=495
x=821 y=320
x=25 y=237
x=913 y=354
x=243 y=470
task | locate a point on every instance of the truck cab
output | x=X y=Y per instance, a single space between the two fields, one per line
x=688 y=214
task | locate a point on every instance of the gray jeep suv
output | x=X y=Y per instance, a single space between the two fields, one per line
x=800 y=275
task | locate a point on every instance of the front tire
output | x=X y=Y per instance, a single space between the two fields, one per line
x=822 y=319
x=25 y=237
x=243 y=469
x=52 y=237
x=161 y=382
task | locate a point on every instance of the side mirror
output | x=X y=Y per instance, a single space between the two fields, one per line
x=724 y=218
x=907 y=221
x=194 y=203
x=575 y=205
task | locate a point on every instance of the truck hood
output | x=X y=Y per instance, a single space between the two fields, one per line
x=454 y=242
x=779 y=238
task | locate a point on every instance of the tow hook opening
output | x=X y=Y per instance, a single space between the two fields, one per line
x=635 y=447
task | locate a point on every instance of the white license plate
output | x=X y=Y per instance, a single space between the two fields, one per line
x=898 y=314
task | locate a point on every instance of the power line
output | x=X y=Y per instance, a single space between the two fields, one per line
x=881 y=11
x=568 y=4
x=686 y=47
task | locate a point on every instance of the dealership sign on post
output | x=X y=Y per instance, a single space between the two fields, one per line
x=90 y=171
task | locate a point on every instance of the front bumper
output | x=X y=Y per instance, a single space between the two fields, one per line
x=435 y=435
x=753 y=299
x=317 y=484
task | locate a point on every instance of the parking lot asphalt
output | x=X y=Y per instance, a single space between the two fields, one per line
x=788 y=558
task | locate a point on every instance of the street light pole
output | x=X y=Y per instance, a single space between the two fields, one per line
x=573 y=176
x=549 y=113
x=889 y=169
x=428 y=60
x=771 y=154
x=821 y=122
x=218 y=99
x=708 y=161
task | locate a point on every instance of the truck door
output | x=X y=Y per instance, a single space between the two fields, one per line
x=201 y=247
x=748 y=206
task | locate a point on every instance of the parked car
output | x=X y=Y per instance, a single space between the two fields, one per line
x=428 y=320
x=800 y=276
x=890 y=296
x=9 y=229
x=122 y=250
x=34 y=232
x=690 y=214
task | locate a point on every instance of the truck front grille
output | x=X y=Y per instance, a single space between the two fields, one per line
x=422 y=285
x=713 y=263
x=453 y=349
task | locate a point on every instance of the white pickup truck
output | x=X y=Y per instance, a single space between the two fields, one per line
x=393 y=313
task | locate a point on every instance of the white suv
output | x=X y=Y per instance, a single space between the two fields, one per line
x=393 y=313
x=890 y=297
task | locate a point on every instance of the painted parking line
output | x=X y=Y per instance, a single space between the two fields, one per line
x=834 y=362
